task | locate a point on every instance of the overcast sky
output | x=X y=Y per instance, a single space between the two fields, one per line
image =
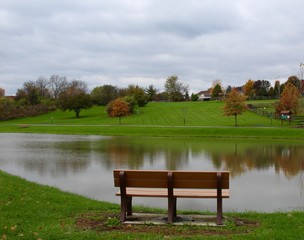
x=122 y=42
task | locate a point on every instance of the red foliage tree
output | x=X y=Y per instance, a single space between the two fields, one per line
x=118 y=108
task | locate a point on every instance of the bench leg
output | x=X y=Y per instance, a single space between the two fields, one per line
x=174 y=209
x=219 y=211
x=125 y=208
x=171 y=209
x=129 y=206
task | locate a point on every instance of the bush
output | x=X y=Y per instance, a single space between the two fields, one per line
x=9 y=109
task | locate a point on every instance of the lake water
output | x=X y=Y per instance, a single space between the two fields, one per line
x=265 y=176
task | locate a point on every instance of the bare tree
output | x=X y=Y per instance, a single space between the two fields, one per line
x=42 y=87
x=57 y=85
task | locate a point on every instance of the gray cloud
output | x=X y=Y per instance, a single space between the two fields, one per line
x=143 y=41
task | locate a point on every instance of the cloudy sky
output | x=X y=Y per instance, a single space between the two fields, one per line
x=122 y=42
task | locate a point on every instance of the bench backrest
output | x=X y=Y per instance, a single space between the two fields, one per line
x=179 y=179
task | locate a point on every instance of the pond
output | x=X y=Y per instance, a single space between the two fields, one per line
x=265 y=176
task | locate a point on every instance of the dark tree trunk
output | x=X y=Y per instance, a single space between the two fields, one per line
x=77 y=112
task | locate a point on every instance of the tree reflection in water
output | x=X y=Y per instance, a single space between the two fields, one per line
x=75 y=154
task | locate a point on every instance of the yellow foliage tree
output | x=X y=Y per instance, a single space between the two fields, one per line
x=248 y=88
x=289 y=99
x=235 y=104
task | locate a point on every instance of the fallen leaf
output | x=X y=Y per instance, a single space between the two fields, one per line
x=13 y=228
x=62 y=225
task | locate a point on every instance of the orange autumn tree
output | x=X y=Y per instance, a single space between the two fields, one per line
x=118 y=108
x=289 y=99
x=248 y=88
x=234 y=104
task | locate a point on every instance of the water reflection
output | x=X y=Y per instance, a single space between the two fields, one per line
x=238 y=158
x=285 y=158
x=136 y=153
x=84 y=164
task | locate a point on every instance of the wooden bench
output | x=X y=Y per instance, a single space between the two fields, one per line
x=171 y=185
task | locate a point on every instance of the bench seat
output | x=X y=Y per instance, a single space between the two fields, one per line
x=178 y=193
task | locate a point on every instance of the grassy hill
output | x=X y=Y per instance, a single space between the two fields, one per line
x=193 y=119
x=162 y=114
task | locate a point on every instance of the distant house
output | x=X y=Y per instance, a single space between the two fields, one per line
x=10 y=97
x=204 y=96
x=239 y=89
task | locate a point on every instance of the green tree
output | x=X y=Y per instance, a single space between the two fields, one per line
x=261 y=87
x=138 y=95
x=175 y=90
x=277 y=89
x=234 y=104
x=194 y=97
x=228 y=89
x=216 y=91
x=74 y=98
x=118 y=108
x=29 y=94
x=104 y=94
x=289 y=99
x=151 y=92
x=271 y=92
x=295 y=81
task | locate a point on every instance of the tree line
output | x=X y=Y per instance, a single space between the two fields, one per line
x=57 y=92
x=257 y=90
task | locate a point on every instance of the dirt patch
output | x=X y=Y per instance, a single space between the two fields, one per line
x=102 y=222
x=245 y=222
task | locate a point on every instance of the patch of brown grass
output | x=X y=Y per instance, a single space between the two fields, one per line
x=105 y=221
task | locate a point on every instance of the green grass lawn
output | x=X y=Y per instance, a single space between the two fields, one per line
x=161 y=114
x=191 y=119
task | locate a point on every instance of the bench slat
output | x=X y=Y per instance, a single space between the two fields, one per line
x=181 y=179
x=149 y=183
x=179 y=193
